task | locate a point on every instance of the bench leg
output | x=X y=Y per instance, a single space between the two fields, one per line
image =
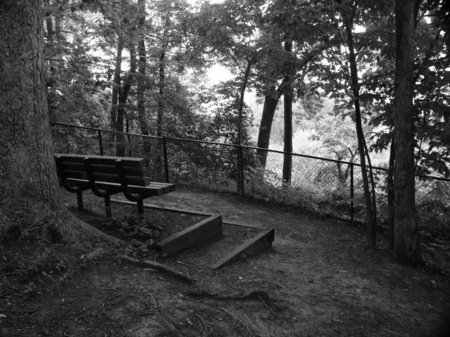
x=140 y=205
x=108 y=206
x=80 y=200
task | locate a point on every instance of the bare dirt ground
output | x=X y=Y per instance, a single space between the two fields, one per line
x=318 y=279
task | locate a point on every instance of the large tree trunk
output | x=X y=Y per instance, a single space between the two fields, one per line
x=271 y=102
x=29 y=192
x=406 y=248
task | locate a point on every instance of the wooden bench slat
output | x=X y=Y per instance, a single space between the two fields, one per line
x=78 y=162
x=110 y=178
x=105 y=160
x=129 y=170
x=75 y=174
x=165 y=186
x=147 y=191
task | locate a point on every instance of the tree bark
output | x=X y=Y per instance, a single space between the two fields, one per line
x=29 y=192
x=406 y=248
x=240 y=166
x=265 y=127
x=51 y=52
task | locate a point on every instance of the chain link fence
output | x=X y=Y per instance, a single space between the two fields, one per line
x=318 y=185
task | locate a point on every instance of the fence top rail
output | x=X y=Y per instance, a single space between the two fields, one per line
x=242 y=146
x=102 y=130
x=210 y=143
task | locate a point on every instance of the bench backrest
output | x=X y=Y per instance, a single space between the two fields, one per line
x=103 y=168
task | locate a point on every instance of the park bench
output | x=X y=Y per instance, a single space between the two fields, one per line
x=106 y=176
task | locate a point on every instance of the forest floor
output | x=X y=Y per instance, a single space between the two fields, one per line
x=318 y=279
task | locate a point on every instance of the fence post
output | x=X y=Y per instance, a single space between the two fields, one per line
x=100 y=141
x=351 y=191
x=166 y=160
x=240 y=167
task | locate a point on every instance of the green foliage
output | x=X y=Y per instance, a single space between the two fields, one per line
x=220 y=105
x=76 y=92
x=81 y=51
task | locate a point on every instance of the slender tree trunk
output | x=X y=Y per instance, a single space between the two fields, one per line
x=287 y=161
x=162 y=89
x=140 y=91
x=240 y=166
x=390 y=197
x=116 y=84
x=288 y=97
x=28 y=183
x=50 y=54
x=123 y=97
x=161 y=110
x=265 y=127
x=58 y=28
x=241 y=100
x=161 y=99
x=406 y=248
x=370 y=224
x=49 y=24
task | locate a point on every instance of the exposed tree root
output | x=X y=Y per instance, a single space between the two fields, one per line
x=158 y=266
x=82 y=235
x=238 y=319
x=167 y=323
x=256 y=295
x=36 y=221
x=252 y=295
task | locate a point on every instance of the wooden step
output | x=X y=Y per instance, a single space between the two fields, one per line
x=252 y=246
x=202 y=232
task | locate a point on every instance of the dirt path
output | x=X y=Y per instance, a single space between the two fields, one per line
x=318 y=279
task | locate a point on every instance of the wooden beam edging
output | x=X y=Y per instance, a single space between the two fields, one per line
x=253 y=246
x=168 y=209
x=202 y=232
x=185 y=211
